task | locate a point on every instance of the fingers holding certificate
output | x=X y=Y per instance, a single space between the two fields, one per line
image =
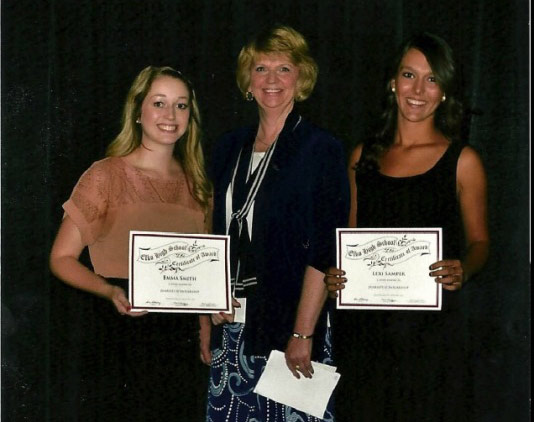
x=179 y=273
x=389 y=268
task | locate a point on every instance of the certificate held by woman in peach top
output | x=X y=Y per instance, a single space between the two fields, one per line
x=171 y=272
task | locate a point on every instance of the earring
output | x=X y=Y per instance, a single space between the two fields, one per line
x=138 y=120
x=443 y=98
x=249 y=96
x=392 y=89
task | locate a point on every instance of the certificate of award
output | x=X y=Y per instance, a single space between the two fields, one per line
x=389 y=268
x=172 y=272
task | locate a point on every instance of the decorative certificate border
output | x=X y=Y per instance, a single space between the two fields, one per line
x=388 y=268
x=172 y=272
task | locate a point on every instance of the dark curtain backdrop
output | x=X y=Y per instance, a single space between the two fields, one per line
x=66 y=68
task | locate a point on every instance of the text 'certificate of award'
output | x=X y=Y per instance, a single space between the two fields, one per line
x=172 y=272
x=389 y=268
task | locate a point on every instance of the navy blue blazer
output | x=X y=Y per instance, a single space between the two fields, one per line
x=303 y=198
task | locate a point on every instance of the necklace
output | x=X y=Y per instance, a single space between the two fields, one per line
x=262 y=142
x=267 y=145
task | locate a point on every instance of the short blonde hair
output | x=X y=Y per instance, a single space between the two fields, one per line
x=279 y=40
x=188 y=151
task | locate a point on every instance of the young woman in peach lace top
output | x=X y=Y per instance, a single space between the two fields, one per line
x=152 y=179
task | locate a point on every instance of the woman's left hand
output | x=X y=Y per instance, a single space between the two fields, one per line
x=298 y=357
x=334 y=280
x=222 y=317
x=449 y=273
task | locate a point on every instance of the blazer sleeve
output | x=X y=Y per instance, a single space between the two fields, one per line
x=330 y=203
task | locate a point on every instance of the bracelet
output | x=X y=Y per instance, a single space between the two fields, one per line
x=298 y=335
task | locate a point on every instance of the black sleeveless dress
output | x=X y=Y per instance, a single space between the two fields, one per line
x=406 y=365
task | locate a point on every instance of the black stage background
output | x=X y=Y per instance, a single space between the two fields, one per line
x=66 y=68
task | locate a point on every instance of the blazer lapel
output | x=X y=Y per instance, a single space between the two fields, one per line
x=225 y=177
x=287 y=147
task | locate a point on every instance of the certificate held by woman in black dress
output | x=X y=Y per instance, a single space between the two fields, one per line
x=389 y=268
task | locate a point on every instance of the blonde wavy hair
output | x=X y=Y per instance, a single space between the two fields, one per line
x=188 y=152
x=279 y=39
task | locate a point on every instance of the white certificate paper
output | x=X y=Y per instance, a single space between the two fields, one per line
x=389 y=268
x=309 y=395
x=171 y=272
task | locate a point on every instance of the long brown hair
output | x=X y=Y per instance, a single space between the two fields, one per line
x=188 y=152
x=448 y=115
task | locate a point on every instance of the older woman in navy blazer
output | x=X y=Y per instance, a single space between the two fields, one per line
x=280 y=191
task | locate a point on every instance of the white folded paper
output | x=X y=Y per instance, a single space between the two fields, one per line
x=309 y=395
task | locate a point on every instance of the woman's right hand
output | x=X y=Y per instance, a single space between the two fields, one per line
x=223 y=318
x=334 y=280
x=65 y=264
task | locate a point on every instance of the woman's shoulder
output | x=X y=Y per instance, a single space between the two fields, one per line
x=103 y=172
x=469 y=158
x=461 y=154
x=465 y=150
x=356 y=154
x=97 y=169
x=318 y=139
x=107 y=165
x=316 y=132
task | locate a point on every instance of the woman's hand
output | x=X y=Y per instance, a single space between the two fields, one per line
x=223 y=318
x=312 y=298
x=334 y=280
x=298 y=356
x=65 y=264
x=449 y=273
x=118 y=297
x=204 y=336
x=205 y=352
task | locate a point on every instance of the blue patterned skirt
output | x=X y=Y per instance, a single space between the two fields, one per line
x=233 y=377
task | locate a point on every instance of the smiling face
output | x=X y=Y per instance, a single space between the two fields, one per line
x=417 y=92
x=273 y=81
x=164 y=112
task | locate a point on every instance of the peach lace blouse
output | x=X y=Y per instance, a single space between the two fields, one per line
x=112 y=198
